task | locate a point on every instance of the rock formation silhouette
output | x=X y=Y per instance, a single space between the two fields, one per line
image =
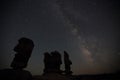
x=47 y=62
x=52 y=62
x=23 y=52
x=67 y=63
x=56 y=61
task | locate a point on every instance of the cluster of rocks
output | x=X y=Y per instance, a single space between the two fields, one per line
x=52 y=62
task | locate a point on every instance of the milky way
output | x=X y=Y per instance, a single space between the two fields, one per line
x=87 y=29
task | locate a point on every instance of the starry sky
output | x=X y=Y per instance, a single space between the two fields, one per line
x=87 y=29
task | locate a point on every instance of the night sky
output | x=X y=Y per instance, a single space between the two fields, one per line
x=87 y=29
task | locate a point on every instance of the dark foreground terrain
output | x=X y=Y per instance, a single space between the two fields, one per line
x=114 y=76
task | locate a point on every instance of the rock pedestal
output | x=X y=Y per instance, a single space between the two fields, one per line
x=11 y=74
x=52 y=76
